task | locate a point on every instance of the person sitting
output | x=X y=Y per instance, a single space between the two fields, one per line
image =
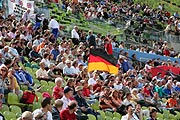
x=33 y=55
x=82 y=104
x=56 y=109
x=13 y=81
x=41 y=73
x=69 y=112
x=22 y=77
x=105 y=100
x=1 y=115
x=153 y=114
x=46 y=107
x=129 y=115
x=68 y=93
x=5 y=86
x=50 y=72
x=58 y=90
x=167 y=89
x=128 y=99
x=61 y=64
x=27 y=115
x=68 y=70
x=172 y=102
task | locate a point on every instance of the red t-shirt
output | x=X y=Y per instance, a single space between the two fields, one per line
x=171 y=101
x=147 y=92
x=108 y=47
x=65 y=115
x=56 y=91
x=86 y=92
x=166 y=52
x=96 y=86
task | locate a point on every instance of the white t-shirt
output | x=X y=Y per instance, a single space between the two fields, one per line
x=91 y=81
x=118 y=87
x=53 y=24
x=125 y=117
x=68 y=71
x=65 y=102
x=74 y=34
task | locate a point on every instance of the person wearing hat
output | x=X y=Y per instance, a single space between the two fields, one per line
x=153 y=114
x=69 y=70
x=27 y=115
x=82 y=103
x=68 y=93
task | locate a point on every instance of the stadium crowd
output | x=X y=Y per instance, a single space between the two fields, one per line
x=78 y=93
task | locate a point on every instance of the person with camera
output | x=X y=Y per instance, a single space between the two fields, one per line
x=129 y=115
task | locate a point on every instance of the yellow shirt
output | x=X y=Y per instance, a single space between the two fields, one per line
x=16 y=85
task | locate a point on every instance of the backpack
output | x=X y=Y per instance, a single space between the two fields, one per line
x=28 y=97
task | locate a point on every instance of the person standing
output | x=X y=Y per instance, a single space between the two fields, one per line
x=91 y=39
x=26 y=15
x=75 y=36
x=54 y=25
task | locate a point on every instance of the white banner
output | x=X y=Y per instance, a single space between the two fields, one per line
x=19 y=6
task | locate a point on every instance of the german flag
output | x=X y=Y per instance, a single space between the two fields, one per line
x=100 y=60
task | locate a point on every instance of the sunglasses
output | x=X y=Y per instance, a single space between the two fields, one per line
x=3 y=70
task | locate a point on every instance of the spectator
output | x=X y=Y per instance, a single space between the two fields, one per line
x=108 y=46
x=27 y=115
x=51 y=73
x=33 y=55
x=153 y=114
x=92 y=81
x=41 y=73
x=129 y=115
x=82 y=103
x=26 y=15
x=58 y=90
x=128 y=99
x=91 y=40
x=56 y=109
x=168 y=89
x=68 y=69
x=68 y=93
x=1 y=116
x=54 y=25
x=55 y=52
x=46 y=107
x=75 y=36
x=69 y=112
x=172 y=102
x=61 y=64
